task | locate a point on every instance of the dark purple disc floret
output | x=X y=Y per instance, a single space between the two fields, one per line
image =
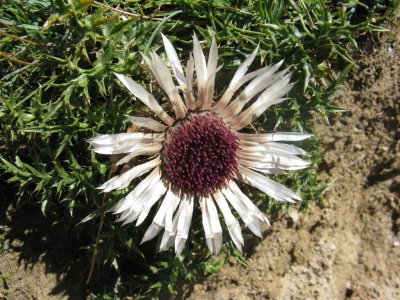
x=199 y=155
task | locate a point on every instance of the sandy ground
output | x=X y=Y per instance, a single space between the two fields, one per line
x=346 y=248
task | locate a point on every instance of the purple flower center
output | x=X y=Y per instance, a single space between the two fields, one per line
x=199 y=155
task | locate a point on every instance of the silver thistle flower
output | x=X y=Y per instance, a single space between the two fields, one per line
x=197 y=156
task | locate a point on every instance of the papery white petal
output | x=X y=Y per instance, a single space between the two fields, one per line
x=186 y=83
x=169 y=200
x=140 y=149
x=242 y=69
x=201 y=70
x=176 y=200
x=152 y=191
x=170 y=230
x=211 y=72
x=206 y=224
x=190 y=103
x=174 y=61
x=145 y=97
x=230 y=221
x=266 y=185
x=211 y=224
x=159 y=219
x=251 y=207
x=199 y=61
x=272 y=95
x=209 y=90
x=122 y=181
x=122 y=138
x=158 y=190
x=126 y=147
x=272 y=147
x=147 y=123
x=236 y=82
x=260 y=83
x=151 y=232
x=273 y=137
x=215 y=224
x=164 y=79
x=251 y=220
x=220 y=108
x=268 y=160
x=212 y=57
x=184 y=221
x=167 y=240
x=129 y=200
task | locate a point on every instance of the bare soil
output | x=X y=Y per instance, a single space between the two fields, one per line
x=346 y=248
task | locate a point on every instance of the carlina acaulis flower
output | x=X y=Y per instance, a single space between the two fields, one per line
x=196 y=157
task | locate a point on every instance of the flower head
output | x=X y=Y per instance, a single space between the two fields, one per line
x=197 y=156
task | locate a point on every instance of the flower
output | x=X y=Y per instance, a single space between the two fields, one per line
x=196 y=157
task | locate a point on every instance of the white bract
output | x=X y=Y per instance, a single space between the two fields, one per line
x=197 y=155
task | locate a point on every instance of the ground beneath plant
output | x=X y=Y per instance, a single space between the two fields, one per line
x=346 y=248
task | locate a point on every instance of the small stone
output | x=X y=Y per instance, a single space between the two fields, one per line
x=6 y=245
x=385 y=148
x=294 y=216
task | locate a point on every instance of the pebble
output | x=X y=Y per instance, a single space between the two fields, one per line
x=384 y=148
x=294 y=216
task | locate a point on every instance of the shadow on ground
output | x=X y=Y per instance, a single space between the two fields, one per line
x=39 y=256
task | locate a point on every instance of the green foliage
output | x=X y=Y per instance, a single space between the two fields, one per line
x=57 y=89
